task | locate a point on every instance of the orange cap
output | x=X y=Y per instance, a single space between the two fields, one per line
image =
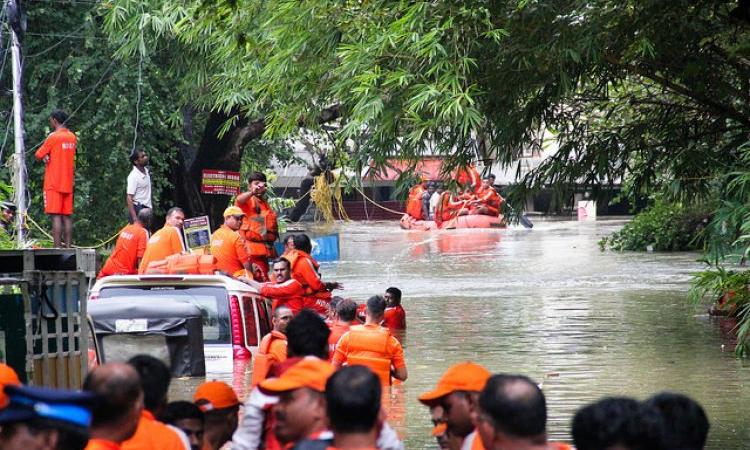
x=439 y=429
x=7 y=376
x=215 y=395
x=466 y=376
x=310 y=373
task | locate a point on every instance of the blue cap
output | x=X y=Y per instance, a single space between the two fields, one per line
x=28 y=402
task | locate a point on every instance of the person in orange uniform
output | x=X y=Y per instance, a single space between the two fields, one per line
x=373 y=346
x=468 y=175
x=116 y=414
x=220 y=407
x=414 y=202
x=346 y=311
x=8 y=376
x=448 y=208
x=130 y=247
x=284 y=290
x=272 y=348
x=227 y=246
x=165 y=242
x=301 y=411
x=394 y=317
x=353 y=403
x=488 y=200
x=58 y=153
x=457 y=392
x=151 y=434
x=259 y=225
x=305 y=270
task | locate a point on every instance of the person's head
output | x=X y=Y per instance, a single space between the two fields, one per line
x=281 y=318
x=233 y=217
x=175 y=217
x=392 y=296
x=307 y=335
x=288 y=242
x=57 y=118
x=8 y=376
x=375 y=308
x=491 y=177
x=512 y=413
x=335 y=300
x=685 y=422
x=439 y=428
x=220 y=407
x=457 y=393
x=302 y=243
x=119 y=401
x=301 y=409
x=346 y=310
x=139 y=158
x=486 y=182
x=353 y=401
x=282 y=270
x=187 y=417
x=257 y=183
x=45 y=419
x=144 y=217
x=601 y=424
x=431 y=186
x=8 y=210
x=155 y=378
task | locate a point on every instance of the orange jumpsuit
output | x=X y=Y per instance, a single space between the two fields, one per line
x=305 y=270
x=491 y=199
x=372 y=346
x=271 y=350
x=468 y=175
x=228 y=247
x=153 y=435
x=130 y=246
x=338 y=329
x=395 y=318
x=60 y=146
x=260 y=229
x=289 y=293
x=165 y=242
x=447 y=208
x=414 y=202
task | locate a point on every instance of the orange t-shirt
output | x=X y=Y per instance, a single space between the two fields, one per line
x=131 y=245
x=393 y=349
x=228 y=247
x=289 y=294
x=338 y=329
x=394 y=318
x=165 y=242
x=153 y=435
x=61 y=148
x=101 y=444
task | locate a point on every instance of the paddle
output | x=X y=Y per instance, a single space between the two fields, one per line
x=525 y=221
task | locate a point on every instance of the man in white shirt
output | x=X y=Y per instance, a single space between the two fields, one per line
x=435 y=199
x=139 y=185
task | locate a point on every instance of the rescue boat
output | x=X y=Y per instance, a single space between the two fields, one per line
x=469 y=221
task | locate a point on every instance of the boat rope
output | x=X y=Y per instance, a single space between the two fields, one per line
x=384 y=208
x=324 y=198
x=44 y=232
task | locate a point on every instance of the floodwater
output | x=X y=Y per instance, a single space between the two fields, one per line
x=549 y=304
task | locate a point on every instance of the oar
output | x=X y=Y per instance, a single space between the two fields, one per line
x=525 y=221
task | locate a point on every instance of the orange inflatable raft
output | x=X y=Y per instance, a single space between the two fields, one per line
x=470 y=221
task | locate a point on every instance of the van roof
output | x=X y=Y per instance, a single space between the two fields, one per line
x=229 y=283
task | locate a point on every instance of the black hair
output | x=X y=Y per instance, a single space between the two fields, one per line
x=59 y=115
x=515 y=404
x=335 y=300
x=602 y=424
x=346 y=310
x=135 y=154
x=302 y=242
x=180 y=410
x=281 y=259
x=69 y=436
x=396 y=293
x=353 y=399
x=256 y=176
x=307 y=335
x=376 y=305
x=644 y=430
x=173 y=210
x=145 y=216
x=155 y=379
x=287 y=237
x=685 y=422
x=116 y=396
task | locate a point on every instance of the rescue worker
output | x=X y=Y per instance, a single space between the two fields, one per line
x=457 y=392
x=284 y=290
x=394 y=317
x=165 y=242
x=414 y=201
x=129 y=248
x=7 y=217
x=45 y=419
x=259 y=225
x=151 y=434
x=373 y=346
x=512 y=415
x=272 y=348
x=138 y=190
x=449 y=207
x=221 y=407
x=488 y=200
x=439 y=428
x=468 y=175
x=346 y=311
x=228 y=247
x=187 y=417
x=353 y=396
x=305 y=270
x=118 y=406
x=58 y=154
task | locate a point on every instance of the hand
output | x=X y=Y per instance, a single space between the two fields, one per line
x=331 y=285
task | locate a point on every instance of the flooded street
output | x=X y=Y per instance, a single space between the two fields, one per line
x=549 y=304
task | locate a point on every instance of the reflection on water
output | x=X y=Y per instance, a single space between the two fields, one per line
x=547 y=303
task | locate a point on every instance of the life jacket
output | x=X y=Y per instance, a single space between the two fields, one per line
x=259 y=227
x=297 y=260
x=183 y=264
x=468 y=175
x=414 y=202
x=263 y=362
x=368 y=346
x=446 y=210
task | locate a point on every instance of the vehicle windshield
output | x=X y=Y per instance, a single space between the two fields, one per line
x=212 y=301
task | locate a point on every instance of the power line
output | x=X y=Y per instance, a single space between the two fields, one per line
x=55 y=44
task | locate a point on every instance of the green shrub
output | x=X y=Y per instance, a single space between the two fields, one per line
x=661 y=227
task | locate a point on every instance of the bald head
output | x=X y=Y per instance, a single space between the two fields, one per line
x=118 y=391
x=281 y=317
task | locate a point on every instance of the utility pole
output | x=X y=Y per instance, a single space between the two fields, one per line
x=16 y=26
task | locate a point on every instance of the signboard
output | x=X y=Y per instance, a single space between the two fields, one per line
x=220 y=182
x=197 y=232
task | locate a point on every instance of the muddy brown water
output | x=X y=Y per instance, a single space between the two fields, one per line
x=546 y=303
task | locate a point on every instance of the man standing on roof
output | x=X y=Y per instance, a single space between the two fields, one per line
x=373 y=346
x=259 y=226
x=457 y=392
x=284 y=290
x=165 y=242
x=228 y=247
x=130 y=247
x=58 y=153
x=272 y=348
x=138 y=191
